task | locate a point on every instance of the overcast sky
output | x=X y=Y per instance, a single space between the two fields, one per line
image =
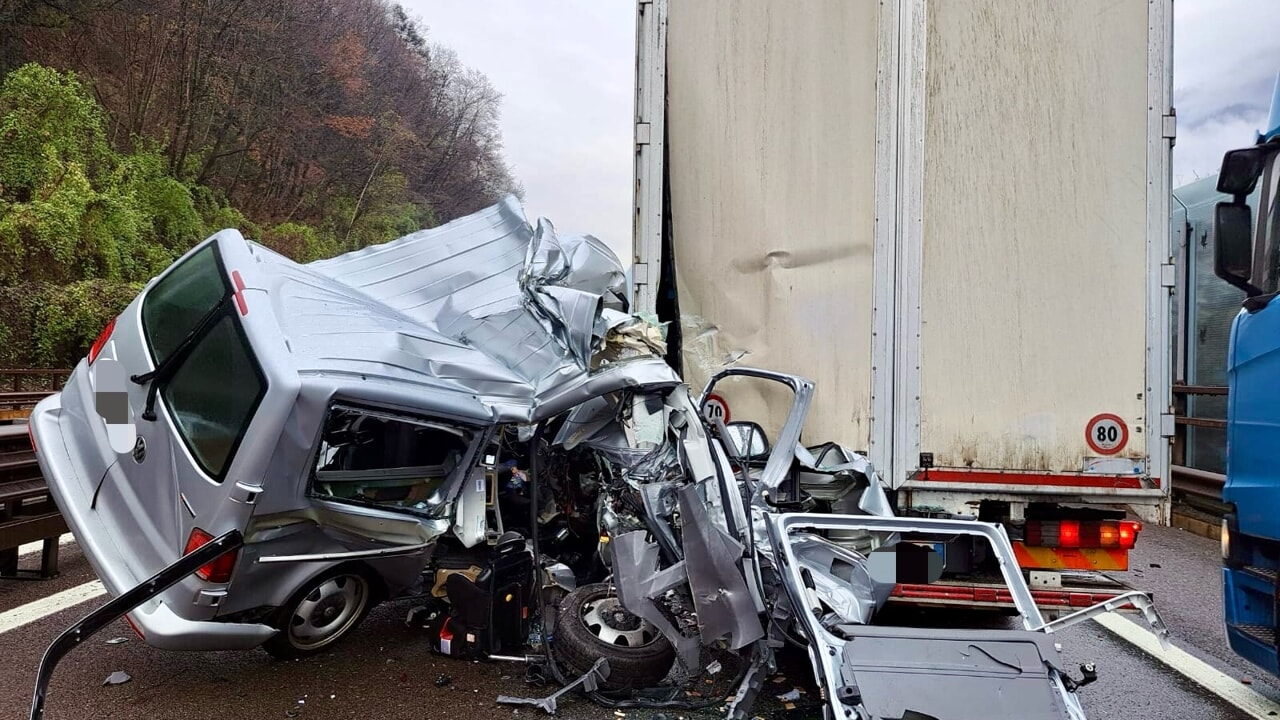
x=566 y=69
x=1226 y=56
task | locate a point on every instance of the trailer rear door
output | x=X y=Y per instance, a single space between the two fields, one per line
x=1028 y=356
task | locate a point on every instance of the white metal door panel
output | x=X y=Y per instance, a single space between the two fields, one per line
x=771 y=142
x=1032 y=287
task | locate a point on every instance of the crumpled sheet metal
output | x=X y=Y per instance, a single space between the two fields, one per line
x=855 y=598
x=485 y=305
x=635 y=572
x=723 y=603
x=835 y=458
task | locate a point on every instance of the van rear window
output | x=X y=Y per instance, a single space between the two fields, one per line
x=212 y=395
x=175 y=305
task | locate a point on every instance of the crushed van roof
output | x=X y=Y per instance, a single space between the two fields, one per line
x=486 y=305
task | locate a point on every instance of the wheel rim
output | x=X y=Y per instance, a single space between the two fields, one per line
x=612 y=624
x=328 y=611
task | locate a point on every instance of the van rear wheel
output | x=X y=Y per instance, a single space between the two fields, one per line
x=323 y=611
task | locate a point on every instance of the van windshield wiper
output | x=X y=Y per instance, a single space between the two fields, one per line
x=166 y=368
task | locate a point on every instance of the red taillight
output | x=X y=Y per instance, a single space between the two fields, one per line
x=218 y=571
x=1033 y=535
x=1077 y=534
x=1129 y=533
x=101 y=342
x=1069 y=534
x=31 y=436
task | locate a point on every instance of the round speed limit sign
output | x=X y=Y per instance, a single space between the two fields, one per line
x=716 y=408
x=1106 y=434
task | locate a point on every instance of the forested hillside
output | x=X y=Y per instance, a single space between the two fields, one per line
x=132 y=129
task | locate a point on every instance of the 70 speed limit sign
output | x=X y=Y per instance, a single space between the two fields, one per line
x=716 y=408
x=1106 y=434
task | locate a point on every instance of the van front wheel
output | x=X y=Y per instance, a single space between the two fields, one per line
x=320 y=613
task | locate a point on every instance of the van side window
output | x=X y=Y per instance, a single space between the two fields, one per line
x=387 y=460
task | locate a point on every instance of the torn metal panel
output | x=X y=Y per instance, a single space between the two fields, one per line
x=832 y=460
x=589 y=681
x=892 y=672
x=724 y=605
x=953 y=674
x=841 y=581
x=1140 y=600
x=635 y=572
x=780 y=461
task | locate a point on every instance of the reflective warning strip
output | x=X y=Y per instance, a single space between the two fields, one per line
x=1047 y=558
x=995 y=596
x=1019 y=477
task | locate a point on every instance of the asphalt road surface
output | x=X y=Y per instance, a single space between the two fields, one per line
x=385 y=671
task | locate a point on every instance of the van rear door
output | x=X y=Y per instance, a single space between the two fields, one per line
x=196 y=387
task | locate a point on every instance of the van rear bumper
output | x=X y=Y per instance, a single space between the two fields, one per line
x=158 y=624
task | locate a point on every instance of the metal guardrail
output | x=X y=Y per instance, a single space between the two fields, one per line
x=26 y=387
x=34 y=379
x=1198 y=488
x=27 y=511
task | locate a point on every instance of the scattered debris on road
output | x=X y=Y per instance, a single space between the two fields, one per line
x=118 y=677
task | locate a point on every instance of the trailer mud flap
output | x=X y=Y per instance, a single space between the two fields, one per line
x=116 y=608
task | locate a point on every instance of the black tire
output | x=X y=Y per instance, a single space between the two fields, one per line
x=339 y=599
x=639 y=656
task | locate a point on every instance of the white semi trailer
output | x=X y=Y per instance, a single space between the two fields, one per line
x=953 y=215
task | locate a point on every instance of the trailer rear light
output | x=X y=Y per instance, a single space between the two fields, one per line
x=1129 y=533
x=101 y=342
x=1069 y=533
x=218 y=571
x=1078 y=534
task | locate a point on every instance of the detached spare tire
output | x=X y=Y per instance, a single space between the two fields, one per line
x=593 y=624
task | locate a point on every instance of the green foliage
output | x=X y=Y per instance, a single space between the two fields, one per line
x=300 y=242
x=70 y=207
x=48 y=325
x=48 y=124
x=385 y=212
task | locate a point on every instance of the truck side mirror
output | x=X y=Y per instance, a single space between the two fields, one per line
x=1242 y=168
x=1233 y=245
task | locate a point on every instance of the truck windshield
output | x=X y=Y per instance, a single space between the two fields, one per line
x=215 y=385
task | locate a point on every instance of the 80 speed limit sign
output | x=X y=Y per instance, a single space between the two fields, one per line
x=1106 y=434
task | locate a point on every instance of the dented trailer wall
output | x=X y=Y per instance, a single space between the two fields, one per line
x=951 y=215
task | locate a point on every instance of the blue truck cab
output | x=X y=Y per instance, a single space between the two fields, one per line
x=1247 y=255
